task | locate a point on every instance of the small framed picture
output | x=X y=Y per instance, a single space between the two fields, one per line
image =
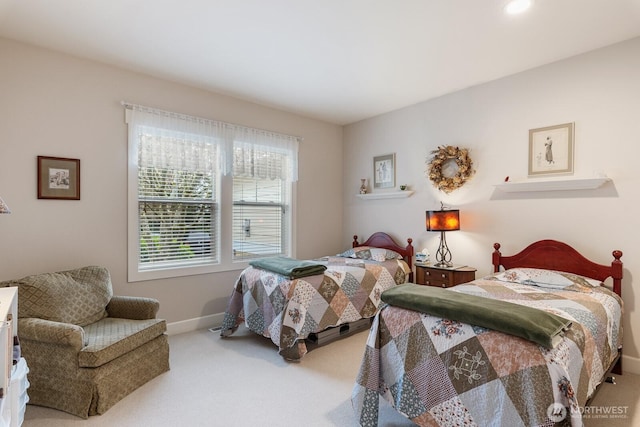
x=384 y=171
x=58 y=178
x=551 y=150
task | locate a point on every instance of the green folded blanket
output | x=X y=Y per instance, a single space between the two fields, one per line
x=538 y=326
x=289 y=267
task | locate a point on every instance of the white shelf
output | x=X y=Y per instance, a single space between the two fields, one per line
x=386 y=195
x=552 y=184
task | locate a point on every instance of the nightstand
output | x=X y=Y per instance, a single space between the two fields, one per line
x=443 y=277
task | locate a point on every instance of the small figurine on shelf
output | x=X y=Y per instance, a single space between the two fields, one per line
x=363 y=186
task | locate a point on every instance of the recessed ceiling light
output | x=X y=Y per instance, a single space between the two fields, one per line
x=517 y=6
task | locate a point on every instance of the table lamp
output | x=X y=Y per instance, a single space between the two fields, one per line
x=443 y=220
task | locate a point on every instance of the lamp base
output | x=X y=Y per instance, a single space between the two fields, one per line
x=443 y=264
x=443 y=255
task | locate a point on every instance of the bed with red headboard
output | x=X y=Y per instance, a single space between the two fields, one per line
x=440 y=371
x=319 y=307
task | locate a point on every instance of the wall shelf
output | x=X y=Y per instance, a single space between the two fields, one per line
x=552 y=185
x=386 y=195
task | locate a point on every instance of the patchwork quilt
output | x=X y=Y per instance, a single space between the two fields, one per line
x=439 y=372
x=287 y=311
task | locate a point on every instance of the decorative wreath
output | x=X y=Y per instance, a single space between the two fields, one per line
x=440 y=157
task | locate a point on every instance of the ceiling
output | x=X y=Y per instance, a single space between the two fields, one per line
x=340 y=61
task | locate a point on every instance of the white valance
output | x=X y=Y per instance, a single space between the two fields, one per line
x=261 y=154
x=243 y=151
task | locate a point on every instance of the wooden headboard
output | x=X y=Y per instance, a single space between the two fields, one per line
x=383 y=240
x=554 y=255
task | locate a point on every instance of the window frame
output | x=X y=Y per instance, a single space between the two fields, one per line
x=224 y=234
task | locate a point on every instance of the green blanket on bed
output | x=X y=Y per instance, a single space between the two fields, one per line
x=538 y=326
x=289 y=267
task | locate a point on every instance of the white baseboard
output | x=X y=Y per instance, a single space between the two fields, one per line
x=630 y=364
x=189 y=325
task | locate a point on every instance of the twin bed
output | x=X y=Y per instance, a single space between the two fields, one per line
x=291 y=311
x=440 y=371
x=437 y=367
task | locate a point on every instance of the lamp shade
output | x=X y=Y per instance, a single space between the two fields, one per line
x=443 y=220
x=4 y=209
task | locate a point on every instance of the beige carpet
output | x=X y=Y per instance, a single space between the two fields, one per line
x=242 y=381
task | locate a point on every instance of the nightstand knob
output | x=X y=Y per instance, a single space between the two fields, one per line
x=444 y=275
x=444 y=285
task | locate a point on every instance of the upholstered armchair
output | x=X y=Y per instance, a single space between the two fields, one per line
x=86 y=348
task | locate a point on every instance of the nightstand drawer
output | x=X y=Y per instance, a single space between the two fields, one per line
x=438 y=283
x=443 y=277
x=431 y=277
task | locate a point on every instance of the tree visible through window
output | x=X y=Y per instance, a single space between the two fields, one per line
x=176 y=203
x=175 y=210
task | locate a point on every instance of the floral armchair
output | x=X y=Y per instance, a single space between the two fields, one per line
x=86 y=348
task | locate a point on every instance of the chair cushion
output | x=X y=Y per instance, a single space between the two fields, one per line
x=112 y=337
x=77 y=296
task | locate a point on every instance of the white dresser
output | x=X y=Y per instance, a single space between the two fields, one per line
x=13 y=377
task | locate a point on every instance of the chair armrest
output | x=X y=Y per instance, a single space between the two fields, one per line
x=135 y=308
x=64 y=334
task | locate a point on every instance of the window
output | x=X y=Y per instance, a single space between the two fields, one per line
x=177 y=203
x=260 y=218
x=180 y=167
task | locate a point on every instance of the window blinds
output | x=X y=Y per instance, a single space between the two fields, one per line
x=180 y=160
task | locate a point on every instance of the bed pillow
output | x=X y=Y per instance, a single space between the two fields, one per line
x=546 y=278
x=368 y=252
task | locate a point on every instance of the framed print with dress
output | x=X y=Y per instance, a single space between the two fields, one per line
x=551 y=150
x=384 y=171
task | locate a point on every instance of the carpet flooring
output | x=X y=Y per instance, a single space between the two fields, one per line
x=242 y=381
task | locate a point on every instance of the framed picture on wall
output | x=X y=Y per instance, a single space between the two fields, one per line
x=384 y=171
x=551 y=150
x=58 y=178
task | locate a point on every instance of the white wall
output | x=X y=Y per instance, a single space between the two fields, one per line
x=56 y=105
x=599 y=91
